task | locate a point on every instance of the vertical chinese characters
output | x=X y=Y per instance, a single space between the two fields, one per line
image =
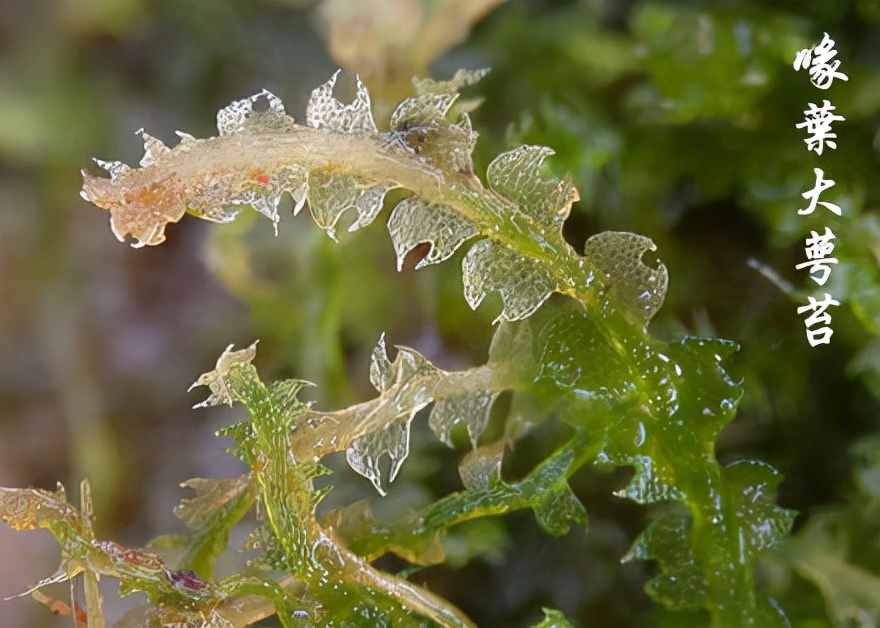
x=818 y=121
x=822 y=67
x=820 y=63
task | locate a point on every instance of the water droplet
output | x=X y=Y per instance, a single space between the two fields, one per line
x=640 y=437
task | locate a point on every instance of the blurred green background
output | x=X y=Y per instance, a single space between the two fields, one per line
x=676 y=120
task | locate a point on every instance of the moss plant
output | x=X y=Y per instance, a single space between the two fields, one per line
x=627 y=398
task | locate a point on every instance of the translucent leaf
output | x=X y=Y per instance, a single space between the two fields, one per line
x=419 y=125
x=472 y=410
x=441 y=147
x=324 y=111
x=216 y=379
x=559 y=509
x=511 y=353
x=218 y=506
x=647 y=486
x=332 y=195
x=263 y=194
x=154 y=150
x=381 y=373
x=434 y=99
x=406 y=385
x=515 y=175
x=480 y=469
x=240 y=117
x=365 y=452
x=636 y=285
x=371 y=430
x=262 y=190
x=523 y=283
x=422 y=110
x=114 y=168
x=414 y=221
x=681 y=585
x=553 y=619
x=752 y=486
x=461 y=78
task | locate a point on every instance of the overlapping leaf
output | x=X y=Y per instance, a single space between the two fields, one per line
x=330 y=195
x=177 y=596
x=415 y=220
x=514 y=178
x=381 y=427
x=217 y=507
x=339 y=161
x=665 y=425
x=338 y=583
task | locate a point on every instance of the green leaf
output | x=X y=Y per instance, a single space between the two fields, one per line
x=709 y=61
x=218 y=506
x=559 y=509
x=338 y=583
x=176 y=595
x=681 y=585
x=664 y=406
x=553 y=619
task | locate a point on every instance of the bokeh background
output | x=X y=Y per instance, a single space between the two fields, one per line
x=675 y=119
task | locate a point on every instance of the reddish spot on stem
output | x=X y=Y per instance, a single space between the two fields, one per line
x=184 y=578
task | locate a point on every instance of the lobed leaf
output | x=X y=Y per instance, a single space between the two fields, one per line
x=337 y=582
x=415 y=221
x=619 y=256
x=217 y=507
x=665 y=423
x=553 y=619
x=373 y=430
x=471 y=409
x=340 y=161
x=515 y=175
x=216 y=380
x=177 y=595
x=523 y=284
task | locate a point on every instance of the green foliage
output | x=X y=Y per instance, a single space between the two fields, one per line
x=624 y=398
x=837 y=550
x=664 y=404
